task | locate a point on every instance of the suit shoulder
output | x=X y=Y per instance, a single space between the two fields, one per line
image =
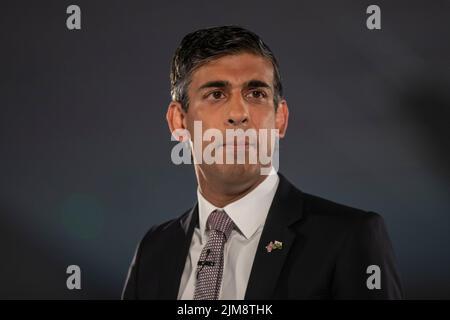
x=164 y=229
x=330 y=210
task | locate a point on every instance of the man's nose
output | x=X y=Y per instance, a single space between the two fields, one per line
x=237 y=112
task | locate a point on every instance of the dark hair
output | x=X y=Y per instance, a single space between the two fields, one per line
x=204 y=45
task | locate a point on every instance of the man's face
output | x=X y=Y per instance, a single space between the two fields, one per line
x=233 y=92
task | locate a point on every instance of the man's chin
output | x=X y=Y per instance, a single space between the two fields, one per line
x=237 y=173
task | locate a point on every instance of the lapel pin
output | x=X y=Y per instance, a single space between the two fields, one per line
x=273 y=245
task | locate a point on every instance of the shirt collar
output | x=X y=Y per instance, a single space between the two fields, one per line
x=248 y=213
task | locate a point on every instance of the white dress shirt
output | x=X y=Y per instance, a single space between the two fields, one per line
x=249 y=215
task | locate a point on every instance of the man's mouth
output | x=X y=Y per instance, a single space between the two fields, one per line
x=238 y=145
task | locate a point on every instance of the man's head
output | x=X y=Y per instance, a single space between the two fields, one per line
x=227 y=78
x=199 y=47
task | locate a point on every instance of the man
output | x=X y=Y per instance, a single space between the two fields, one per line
x=252 y=235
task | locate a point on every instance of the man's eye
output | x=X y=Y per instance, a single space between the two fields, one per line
x=216 y=95
x=257 y=94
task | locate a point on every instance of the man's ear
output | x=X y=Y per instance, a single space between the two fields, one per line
x=281 y=118
x=176 y=116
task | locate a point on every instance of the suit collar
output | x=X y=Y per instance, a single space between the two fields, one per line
x=286 y=209
x=178 y=249
x=189 y=220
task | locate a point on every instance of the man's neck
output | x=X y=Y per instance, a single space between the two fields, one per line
x=220 y=196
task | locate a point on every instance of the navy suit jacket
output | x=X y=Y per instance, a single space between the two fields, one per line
x=327 y=248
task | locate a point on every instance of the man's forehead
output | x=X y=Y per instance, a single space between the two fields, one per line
x=236 y=69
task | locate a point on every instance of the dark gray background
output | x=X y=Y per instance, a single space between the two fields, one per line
x=85 y=151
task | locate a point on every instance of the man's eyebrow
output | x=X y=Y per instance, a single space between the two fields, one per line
x=214 y=84
x=257 y=84
x=223 y=84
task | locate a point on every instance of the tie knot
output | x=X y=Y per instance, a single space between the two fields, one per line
x=220 y=221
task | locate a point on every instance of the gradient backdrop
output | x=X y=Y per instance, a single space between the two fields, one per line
x=85 y=164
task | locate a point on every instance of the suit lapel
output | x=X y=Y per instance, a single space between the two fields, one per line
x=286 y=209
x=179 y=244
